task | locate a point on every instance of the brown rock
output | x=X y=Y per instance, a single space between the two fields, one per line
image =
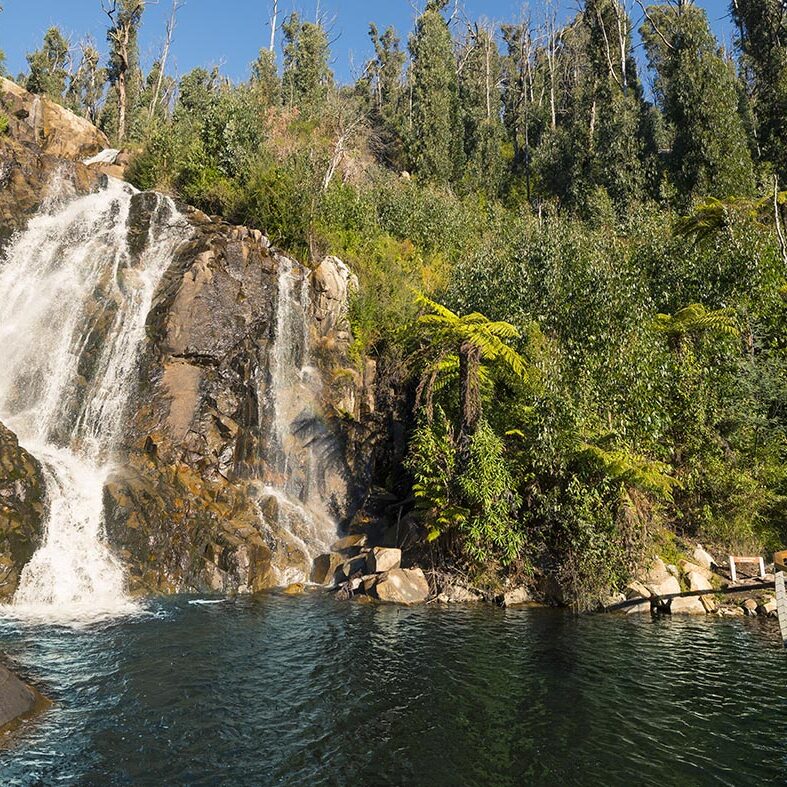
x=53 y=128
x=324 y=568
x=17 y=699
x=382 y=559
x=403 y=586
x=350 y=543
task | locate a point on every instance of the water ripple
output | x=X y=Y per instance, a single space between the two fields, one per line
x=293 y=691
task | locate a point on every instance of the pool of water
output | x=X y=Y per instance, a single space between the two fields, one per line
x=308 y=690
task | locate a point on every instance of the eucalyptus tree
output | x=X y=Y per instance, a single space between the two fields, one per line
x=307 y=76
x=763 y=44
x=617 y=137
x=697 y=92
x=49 y=66
x=124 y=72
x=434 y=133
x=87 y=85
x=480 y=78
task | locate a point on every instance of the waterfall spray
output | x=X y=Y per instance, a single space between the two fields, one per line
x=73 y=306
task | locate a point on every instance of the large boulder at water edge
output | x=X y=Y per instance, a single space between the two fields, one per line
x=403 y=586
x=17 y=699
x=22 y=509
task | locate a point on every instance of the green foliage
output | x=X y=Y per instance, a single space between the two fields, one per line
x=306 y=74
x=3 y=123
x=433 y=123
x=48 y=66
x=763 y=39
x=470 y=502
x=697 y=92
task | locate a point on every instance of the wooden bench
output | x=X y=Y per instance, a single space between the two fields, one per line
x=737 y=559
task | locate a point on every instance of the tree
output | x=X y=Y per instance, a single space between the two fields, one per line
x=124 y=72
x=763 y=43
x=473 y=339
x=435 y=148
x=696 y=90
x=480 y=99
x=307 y=76
x=265 y=77
x=49 y=66
x=617 y=111
x=86 y=88
x=384 y=73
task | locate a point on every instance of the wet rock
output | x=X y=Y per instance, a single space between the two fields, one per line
x=382 y=559
x=17 y=699
x=351 y=543
x=294 y=589
x=325 y=567
x=22 y=510
x=403 y=586
x=749 y=607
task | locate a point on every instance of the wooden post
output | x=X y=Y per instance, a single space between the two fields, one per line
x=781 y=606
x=733 y=575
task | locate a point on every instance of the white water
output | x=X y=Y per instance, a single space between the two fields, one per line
x=295 y=388
x=73 y=307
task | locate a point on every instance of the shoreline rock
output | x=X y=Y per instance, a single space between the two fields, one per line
x=18 y=700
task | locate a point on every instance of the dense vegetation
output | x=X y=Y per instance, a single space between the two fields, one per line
x=578 y=288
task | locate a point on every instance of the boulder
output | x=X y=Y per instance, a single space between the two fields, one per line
x=703 y=558
x=403 y=586
x=56 y=130
x=16 y=698
x=515 y=597
x=355 y=565
x=698 y=581
x=768 y=608
x=656 y=573
x=324 y=568
x=382 y=559
x=636 y=589
x=749 y=607
x=458 y=594
x=351 y=543
x=688 y=568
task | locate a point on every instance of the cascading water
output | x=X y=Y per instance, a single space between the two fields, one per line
x=73 y=306
x=295 y=388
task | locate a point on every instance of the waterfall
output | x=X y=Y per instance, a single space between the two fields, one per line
x=73 y=305
x=301 y=513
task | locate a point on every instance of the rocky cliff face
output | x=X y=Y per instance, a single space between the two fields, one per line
x=226 y=458
x=21 y=510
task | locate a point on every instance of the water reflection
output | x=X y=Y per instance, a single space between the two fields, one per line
x=279 y=690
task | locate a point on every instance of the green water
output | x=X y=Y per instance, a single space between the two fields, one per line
x=309 y=690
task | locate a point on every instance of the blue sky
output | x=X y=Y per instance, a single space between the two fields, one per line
x=230 y=32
